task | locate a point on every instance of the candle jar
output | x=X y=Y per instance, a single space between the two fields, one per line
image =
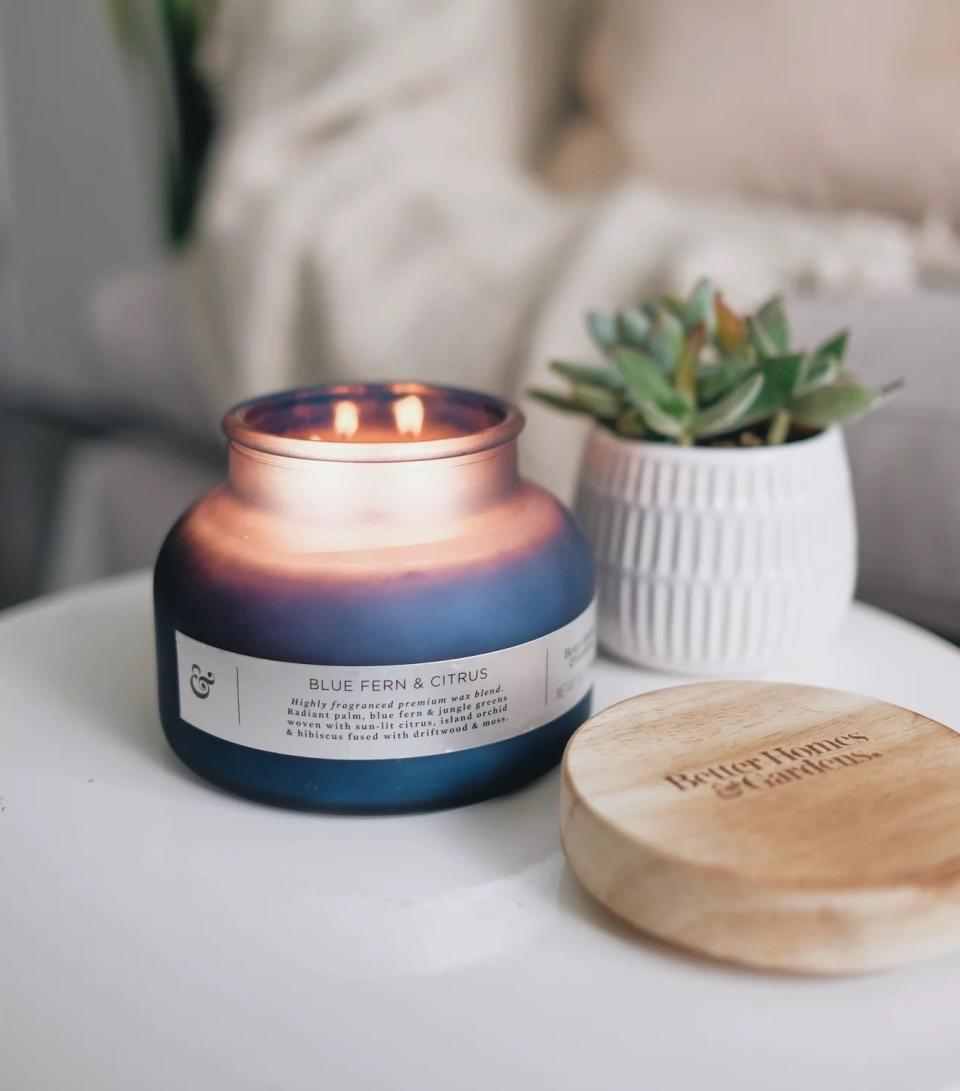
x=374 y=612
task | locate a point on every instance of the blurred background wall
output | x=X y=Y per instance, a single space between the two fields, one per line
x=75 y=205
x=75 y=166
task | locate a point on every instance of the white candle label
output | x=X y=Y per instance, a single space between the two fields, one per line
x=385 y=712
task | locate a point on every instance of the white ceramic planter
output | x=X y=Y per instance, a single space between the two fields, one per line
x=718 y=561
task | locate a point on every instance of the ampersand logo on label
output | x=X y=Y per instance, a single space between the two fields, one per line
x=200 y=683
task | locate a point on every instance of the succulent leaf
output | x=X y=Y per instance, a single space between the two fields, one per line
x=556 y=401
x=714 y=381
x=759 y=339
x=660 y=421
x=817 y=371
x=591 y=400
x=839 y=402
x=675 y=305
x=731 y=329
x=603 y=329
x=646 y=383
x=726 y=414
x=630 y=423
x=772 y=320
x=686 y=376
x=596 y=400
x=606 y=377
x=780 y=375
x=692 y=370
x=665 y=340
x=779 y=427
x=699 y=307
x=835 y=347
x=634 y=326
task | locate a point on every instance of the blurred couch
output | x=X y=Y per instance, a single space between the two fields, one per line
x=439 y=187
x=906 y=458
x=119 y=493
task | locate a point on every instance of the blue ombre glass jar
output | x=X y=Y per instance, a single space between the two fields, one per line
x=374 y=612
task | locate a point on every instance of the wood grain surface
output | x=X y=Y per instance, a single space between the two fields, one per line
x=780 y=826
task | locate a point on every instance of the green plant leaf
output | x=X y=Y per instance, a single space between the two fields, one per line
x=731 y=329
x=629 y=423
x=823 y=366
x=594 y=399
x=603 y=329
x=779 y=428
x=715 y=380
x=835 y=347
x=634 y=326
x=726 y=414
x=646 y=382
x=840 y=402
x=760 y=339
x=686 y=369
x=675 y=305
x=557 y=401
x=685 y=379
x=666 y=339
x=699 y=306
x=772 y=321
x=817 y=371
x=661 y=422
x=780 y=375
x=607 y=377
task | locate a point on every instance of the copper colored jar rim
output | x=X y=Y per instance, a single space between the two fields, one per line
x=242 y=424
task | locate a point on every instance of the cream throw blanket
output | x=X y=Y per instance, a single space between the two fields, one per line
x=377 y=208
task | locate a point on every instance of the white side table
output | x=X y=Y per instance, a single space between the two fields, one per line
x=157 y=934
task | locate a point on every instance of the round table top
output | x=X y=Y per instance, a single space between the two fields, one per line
x=156 y=933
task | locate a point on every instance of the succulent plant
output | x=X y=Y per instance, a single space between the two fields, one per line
x=692 y=371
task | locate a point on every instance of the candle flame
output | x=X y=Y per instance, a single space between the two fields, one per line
x=346 y=419
x=408 y=414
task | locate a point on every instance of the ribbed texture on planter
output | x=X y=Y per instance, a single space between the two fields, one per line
x=713 y=560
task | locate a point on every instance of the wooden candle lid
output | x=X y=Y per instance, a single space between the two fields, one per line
x=779 y=826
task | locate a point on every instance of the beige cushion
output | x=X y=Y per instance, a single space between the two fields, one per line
x=830 y=103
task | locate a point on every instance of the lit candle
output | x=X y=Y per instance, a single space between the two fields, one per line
x=385 y=414
x=374 y=612
x=346 y=420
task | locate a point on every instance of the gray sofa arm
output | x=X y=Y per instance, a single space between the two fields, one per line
x=906 y=458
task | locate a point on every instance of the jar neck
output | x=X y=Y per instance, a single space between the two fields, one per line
x=373 y=493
